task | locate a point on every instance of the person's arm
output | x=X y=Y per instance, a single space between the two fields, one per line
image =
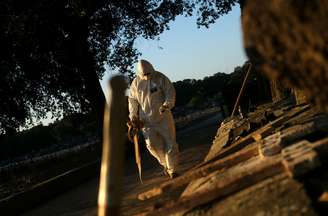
x=169 y=93
x=133 y=102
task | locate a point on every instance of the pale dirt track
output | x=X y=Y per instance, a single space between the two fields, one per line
x=82 y=199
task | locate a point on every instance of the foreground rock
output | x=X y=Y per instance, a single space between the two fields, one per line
x=266 y=170
x=287 y=40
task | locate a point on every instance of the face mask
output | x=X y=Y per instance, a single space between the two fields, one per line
x=146 y=76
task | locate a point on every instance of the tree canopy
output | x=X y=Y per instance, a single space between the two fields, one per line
x=222 y=89
x=53 y=52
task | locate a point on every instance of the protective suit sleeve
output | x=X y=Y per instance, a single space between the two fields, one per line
x=169 y=93
x=133 y=101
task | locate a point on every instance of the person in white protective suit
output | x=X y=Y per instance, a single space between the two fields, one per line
x=151 y=98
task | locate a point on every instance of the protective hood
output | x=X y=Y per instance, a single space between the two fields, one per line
x=144 y=67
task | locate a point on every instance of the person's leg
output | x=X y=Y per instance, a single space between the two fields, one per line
x=171 y=159
x=155 y=145
x=171 y=146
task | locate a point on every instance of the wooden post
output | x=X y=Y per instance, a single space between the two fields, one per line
x=112 y=162
x=241 y=90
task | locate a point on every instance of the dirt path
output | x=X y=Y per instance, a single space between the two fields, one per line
x=82 y=200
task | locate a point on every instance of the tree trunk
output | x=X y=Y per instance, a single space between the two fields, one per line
x=277 y=90
x=299 y=96
x=86 y=64
x=93 y=87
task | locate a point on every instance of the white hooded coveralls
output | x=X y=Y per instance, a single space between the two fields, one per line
x=147 y=95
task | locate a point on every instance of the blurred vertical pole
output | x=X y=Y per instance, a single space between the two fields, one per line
x=112 y=162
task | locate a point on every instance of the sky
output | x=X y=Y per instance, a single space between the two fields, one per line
x=188 y=52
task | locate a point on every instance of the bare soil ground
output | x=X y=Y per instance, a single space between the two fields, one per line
x=194 y=144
